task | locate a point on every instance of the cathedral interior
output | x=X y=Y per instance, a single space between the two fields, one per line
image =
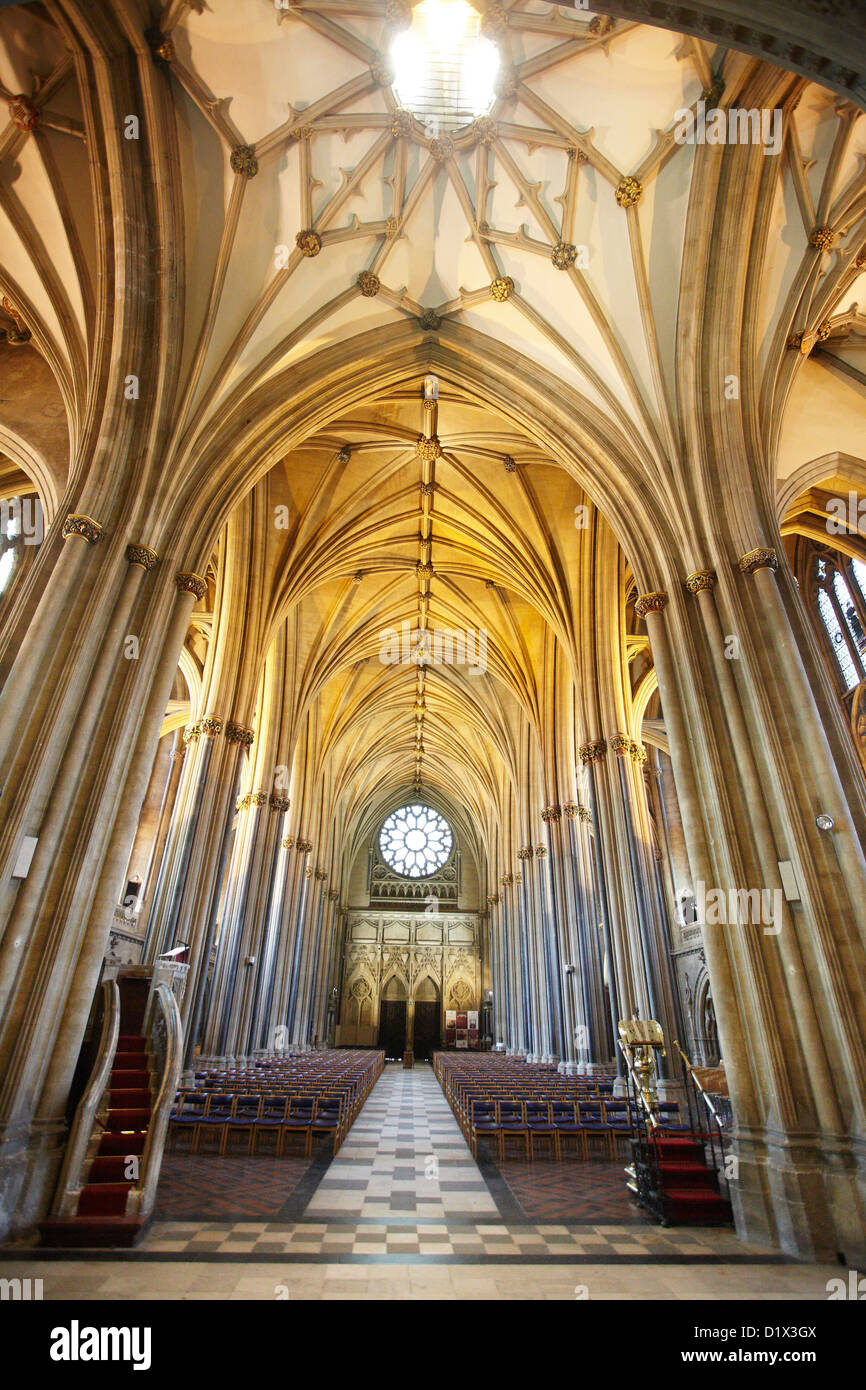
x=432 y=647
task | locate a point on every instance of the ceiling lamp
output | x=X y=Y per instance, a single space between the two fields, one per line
x=444 y=67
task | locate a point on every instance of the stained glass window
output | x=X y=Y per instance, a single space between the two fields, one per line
x=415 y=841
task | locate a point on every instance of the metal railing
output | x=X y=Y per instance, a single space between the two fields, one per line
x=69 y=1184
x=706 y=1121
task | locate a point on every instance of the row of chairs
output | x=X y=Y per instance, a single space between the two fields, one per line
x=269 y=1107
x=550 y=1125
x=213 y=1120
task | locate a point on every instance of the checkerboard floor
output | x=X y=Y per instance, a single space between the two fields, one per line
x=403 y=1192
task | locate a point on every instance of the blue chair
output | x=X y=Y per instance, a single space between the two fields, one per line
x=299 y=1121
x=540 y=1125
x=483 y=1122
x=243 y=1120
x=270 y=1120
x=184 y=1118
x=566 y=1126
x=214 y=1120
x=593 y=1123
x=512 y=1124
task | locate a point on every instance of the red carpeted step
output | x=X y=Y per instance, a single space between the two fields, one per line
x=694 y=1176
x=685 y=1208
x=129 y=1100
x=131 y=1042
x=138 y=1079
x=129 y=1061
x=108 y=1168
x=128 y=1119
x=111 y=1144
x=104 y=1199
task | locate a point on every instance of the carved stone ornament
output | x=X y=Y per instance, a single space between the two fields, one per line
x=822 y=238
x=280 y=804
x=442 y=148
x=525 y=852
x=83 y=526
x=19 y=332
x=711 y=96
x=191 y=584
x=509 y=464
x=507 y=879
x=762 y=558
x=304 y=846
x=593 y=752
x=551 y=813
x=584 y=815
x=345 y=454
x=619 y=745
x=287 y=843
x=211 y=726
x=501 y=288
x=563 y=255
x=392 y=227
x=651 y=603
x=238 y=733
x=493 y=899
x=637 y=752
x=484 y=130
x=424 y=568
x=629 y=191
x=161 y=46
x=23 y=114
x=320 y=875
x=308 y=242
x=398 y=13
x=369 y=284
x=429 y=320
x=700 y=580
x=243 y=161
x=429 y=450
x=401 y=124
x=600 y=25
x=541 y=851
x=494 y=21
x=141 y=555
x=382 y=70
x=860 y=260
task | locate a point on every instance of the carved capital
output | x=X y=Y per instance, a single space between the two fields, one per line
x=237 y=733
x=304 y=846
x=211 y=726
x=593 y=752
x=141 y=555
x=762 y=558
x=698 y=581
x=493 y=899
x=656 y=602
x=525 y=852
x=620 y=745
x=83 y=526
x=551 y=813
x=191 y=584
x=280 y=804
x=288 y=842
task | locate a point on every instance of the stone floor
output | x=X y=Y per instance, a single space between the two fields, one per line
x=404 y=1211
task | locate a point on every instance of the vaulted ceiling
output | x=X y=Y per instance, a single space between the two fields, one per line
x=561 y=226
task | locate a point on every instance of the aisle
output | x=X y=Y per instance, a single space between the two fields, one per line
x=404 y=1155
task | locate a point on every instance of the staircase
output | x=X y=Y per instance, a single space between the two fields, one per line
x=688 y=1189
x=111 y=1168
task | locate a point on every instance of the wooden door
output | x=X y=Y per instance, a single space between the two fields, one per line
x=392 y=1027
x=427 y=1031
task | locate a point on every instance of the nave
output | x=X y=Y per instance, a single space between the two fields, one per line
x=374 y=1223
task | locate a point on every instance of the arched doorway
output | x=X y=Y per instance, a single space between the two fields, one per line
x=428 y=1020
x=392 y=1018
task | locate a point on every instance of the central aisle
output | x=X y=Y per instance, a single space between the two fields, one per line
x=404 y=1155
